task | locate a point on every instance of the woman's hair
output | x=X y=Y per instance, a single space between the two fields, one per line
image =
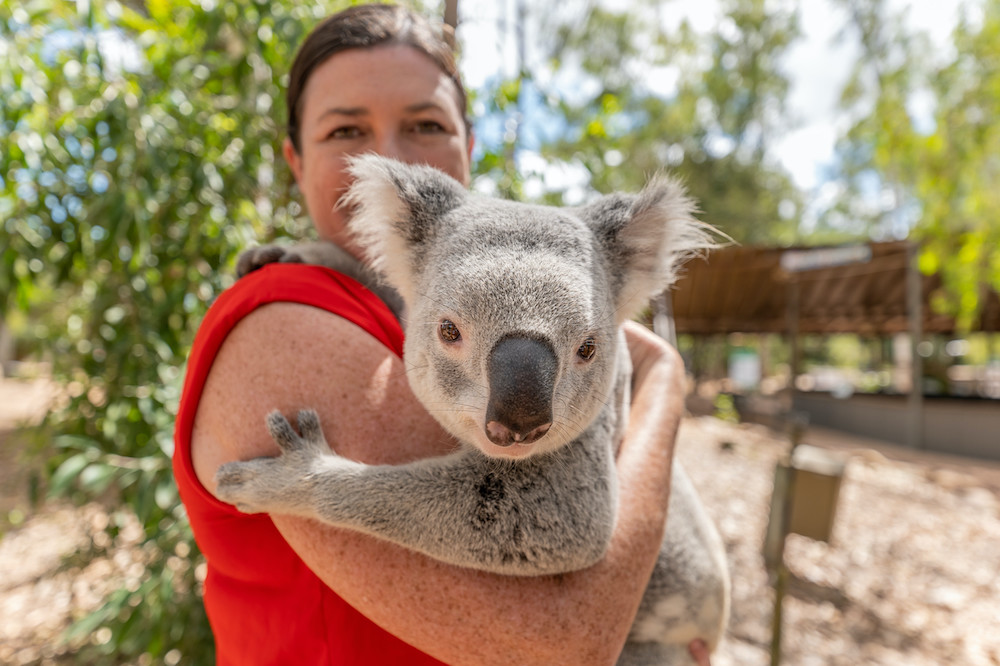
x=362 y=27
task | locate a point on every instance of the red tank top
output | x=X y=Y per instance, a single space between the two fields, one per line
x=264 y=604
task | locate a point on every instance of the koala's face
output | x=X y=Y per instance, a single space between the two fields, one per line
x=513 y=310
x=511 y=335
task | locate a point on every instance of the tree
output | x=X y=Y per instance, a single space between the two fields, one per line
x=937 y=169
x=140 y=154
x=712 y=127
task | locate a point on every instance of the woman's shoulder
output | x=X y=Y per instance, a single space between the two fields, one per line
x=303 y=284
x=291 y=356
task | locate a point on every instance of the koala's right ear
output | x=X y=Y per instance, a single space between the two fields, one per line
x=646 y=238
x=397 y=211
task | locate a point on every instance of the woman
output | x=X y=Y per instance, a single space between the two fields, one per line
x=287 y=590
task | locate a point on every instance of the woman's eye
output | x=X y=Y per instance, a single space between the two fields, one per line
x=428 y=127
x=587 y=349
x=349 y=132
x=449 y=332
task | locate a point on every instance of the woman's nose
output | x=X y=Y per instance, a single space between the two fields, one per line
x=390 y=145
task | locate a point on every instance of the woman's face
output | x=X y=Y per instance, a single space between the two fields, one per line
x=390 y=100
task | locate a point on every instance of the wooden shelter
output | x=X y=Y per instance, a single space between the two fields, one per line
x=869 y=289
x=850 y=289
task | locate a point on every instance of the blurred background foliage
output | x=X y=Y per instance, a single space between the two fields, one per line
x=141 y=152
x=938 y=176
x=591 y=79
x=713 y=131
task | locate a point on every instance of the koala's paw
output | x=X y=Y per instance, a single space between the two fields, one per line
x=258 y=257
x=242 y=485
x=310 y=439
x=282 y=484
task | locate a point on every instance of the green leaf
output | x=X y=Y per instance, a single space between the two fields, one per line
x=67 y=473
x=928 y=262
x=97 y=477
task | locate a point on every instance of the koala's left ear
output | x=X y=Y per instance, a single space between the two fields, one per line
x=396 y=212
x=646 y=238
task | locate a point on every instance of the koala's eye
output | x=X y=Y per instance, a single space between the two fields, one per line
x=449 y=332
x=587 y=349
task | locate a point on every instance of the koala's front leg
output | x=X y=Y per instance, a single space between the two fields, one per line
x=285 y=483
x=320 y=253
x=258 y=257
x=537 y=517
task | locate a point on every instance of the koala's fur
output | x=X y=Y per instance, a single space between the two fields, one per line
x=527 y=287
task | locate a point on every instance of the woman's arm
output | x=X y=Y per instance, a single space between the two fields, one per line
x=457 y=615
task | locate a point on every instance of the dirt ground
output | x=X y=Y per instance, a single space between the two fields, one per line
x=911 y=576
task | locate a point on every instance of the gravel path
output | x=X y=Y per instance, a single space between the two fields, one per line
x=911 y=576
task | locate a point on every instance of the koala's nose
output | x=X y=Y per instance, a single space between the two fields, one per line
x=522 y=374
x=501 y=435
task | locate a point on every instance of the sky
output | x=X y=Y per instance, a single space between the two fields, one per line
x=818 y=65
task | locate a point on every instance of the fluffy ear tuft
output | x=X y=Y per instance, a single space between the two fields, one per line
x=395 y=209
x=646 y=238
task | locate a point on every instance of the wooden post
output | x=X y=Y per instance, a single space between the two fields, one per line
x=697 y=358
x=451 y=20
x=915 y=317
x=663 y=317
x=794 y=292
x=778 y=529
x=6 y=349
x=774 y=549
x=764 y=354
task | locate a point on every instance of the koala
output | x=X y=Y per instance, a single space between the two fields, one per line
x=513 y=342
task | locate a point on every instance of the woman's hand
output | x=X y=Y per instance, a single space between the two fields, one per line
x=699 y=651
x=658 y=375
x=658 y=386
x=652 y=355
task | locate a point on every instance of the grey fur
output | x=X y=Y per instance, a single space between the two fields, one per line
x=324 y=254
x=499 y=270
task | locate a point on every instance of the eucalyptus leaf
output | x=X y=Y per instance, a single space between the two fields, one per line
x=66 y=474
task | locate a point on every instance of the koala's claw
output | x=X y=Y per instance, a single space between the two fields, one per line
x=231 y=475
x=258 y=257
x=234 y=485
x=309 y=426
x=285 y=436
